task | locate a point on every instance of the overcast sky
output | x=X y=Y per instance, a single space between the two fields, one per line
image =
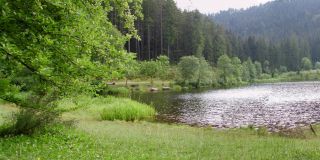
x=214 y=6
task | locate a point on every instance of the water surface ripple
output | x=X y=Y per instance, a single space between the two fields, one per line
x=281 y=105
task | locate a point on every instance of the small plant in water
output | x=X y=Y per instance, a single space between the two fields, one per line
x=262 y=131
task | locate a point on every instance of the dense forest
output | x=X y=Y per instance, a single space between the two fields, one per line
x=167 y=30
x=279 y=21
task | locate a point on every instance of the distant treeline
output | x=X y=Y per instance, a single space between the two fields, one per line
x=279 y=21
x=167 y=30
x=229 y=71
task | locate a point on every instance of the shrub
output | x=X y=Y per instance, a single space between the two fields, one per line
x=27 y=121
x=127 y=110
x=176 y=88
x=306 y=64
x=262 y=131
x=118 y=91
x=188 y=68
x=105 y=108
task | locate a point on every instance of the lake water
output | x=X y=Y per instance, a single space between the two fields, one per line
x=276 y=106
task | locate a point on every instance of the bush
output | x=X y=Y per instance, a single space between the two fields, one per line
x=106 y=108
x=118 y=91
x=27 y=121
x=188 y=69
x=127 y=110
x=177 y=88
x=262 y=131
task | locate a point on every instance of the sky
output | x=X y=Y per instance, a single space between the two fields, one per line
x=214 y=6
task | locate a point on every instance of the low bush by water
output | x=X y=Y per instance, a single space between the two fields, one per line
x=106 y=108
x=127 y=110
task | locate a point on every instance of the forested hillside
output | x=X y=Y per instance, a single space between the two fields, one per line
x=278 y=21
x=167 y=30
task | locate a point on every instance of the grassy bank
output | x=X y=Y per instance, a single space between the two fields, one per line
x=120 y=87
x=313 y=75
x=123 y=140
x=92 y=138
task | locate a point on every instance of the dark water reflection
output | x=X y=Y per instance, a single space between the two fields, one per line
x=282 y=105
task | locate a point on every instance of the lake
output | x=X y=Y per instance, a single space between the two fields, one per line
x=275 y=106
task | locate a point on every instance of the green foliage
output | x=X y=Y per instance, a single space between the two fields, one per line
x=306 y=64
x=176 y=88
x=129 y=111
x=64 y=43
x=116 y=91
x=266 y=67
x=283 y=69
x=54 y=48
x=149 y=69
x=98 y=140
x=188 y=68
x=226 y=70
x=262 y=131
x=105 y=108
x=132 y=69
x=205 y=73
x=54 y=142
x=163 y=67
x=237 y=68
x=27 y=121
x=317 y=66
x=249 y=71
x=258 y=68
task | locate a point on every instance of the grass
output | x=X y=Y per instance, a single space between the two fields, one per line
x=313 y=75
x=143 y=140
x=127 y=110
x=6 y=110
x=92 y=138
x=58 y=142
x=142 y=85
x=109 y=108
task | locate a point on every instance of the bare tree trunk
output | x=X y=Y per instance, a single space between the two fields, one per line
x=129 y=46
x=149 y=51
x=168 y=51
x=161 y=28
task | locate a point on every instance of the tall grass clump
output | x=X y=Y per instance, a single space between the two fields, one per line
x=127 y=110
x=115 y=91
x=105 y=108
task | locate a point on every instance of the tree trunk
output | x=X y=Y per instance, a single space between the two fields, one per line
x=129 y=46
x=168 y=51
x=161 y=28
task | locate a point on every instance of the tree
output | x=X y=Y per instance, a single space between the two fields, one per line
x=205 y=73
x=150 y=69
x=266 y=67
x=132 y=69
x=249 y=71
x=306 y=64
x=317 y=66
x=163 y=67
x=225 y=67
x=188 y=68
x=237 y=68
x=283 y=69
x=258 y=68
x=170 y=24
x=63 y=47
